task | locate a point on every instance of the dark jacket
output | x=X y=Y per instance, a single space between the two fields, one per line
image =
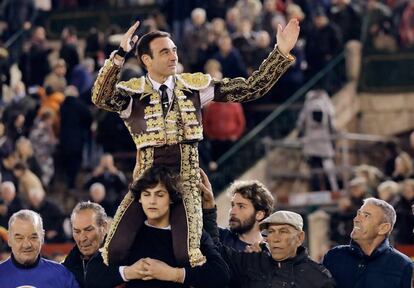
x=261 y=270
x=93 y=273
x=384 y=268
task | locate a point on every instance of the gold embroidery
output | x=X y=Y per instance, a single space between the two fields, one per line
x=260 y=82
x=196 y=81
x=104 y=94
x=134 y=85
x=146 y=160
x=192 y=202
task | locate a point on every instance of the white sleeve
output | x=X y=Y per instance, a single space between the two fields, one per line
x=121 y=271
x=127 y=112
x=207 y=95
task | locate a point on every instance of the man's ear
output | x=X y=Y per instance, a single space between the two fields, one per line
x=384 y=229
x=301 y=237
x=146 y=59
x=260 y=215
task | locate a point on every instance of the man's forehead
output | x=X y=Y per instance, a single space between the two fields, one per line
x=371 y=209
x=162 y=43
x=237 y=197
x=23 y=226
x=83 y=219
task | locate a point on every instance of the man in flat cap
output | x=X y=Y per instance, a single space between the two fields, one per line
x=286 y=264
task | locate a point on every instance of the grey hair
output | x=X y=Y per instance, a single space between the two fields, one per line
x=389 y=212
x=30 y=216
x=8 y=184
x=100 y=214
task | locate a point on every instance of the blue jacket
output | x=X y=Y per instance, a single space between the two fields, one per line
x=385 y=268
x=44 y=273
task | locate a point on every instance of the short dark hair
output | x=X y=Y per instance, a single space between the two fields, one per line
x=158 y=175
x=143 y=45
x=256 y=192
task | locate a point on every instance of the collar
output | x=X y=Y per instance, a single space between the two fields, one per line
x=301 y=255
x=161 y=228
x=156 y=86
x=22 y=266
x=383 y=247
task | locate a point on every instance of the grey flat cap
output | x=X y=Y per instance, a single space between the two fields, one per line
x=283 y=217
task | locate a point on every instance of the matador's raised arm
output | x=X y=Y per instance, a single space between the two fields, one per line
x=105 y=95
x=243 y=90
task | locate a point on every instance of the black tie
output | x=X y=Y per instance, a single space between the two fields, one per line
x=164 y=99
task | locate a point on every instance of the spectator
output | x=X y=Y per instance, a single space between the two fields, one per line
x=158 y=191
x=19 y=15
x=341 y=223
x=389 y=191
x=195 y=39
x=316 y=124
x=251 y=203
x=24 y=153
x=231 y=61
x=69 y=51
x=51 y=214
x=97 y=194
x=347 y=18
x=89 y=227
x=404 y=226
x=27 y=180
x=44 y=141
x=34 y=62
x=403 y=167
x=25 y=267
x=249 y=9
x=358 y=191
x=110 y=176
x=9 y=202
x=285 y=264
x=406 y=25
x=370 y=261
x=243 y=39
x=73 y=132
x=56 y=79
x=224 y=133
x=325 y=42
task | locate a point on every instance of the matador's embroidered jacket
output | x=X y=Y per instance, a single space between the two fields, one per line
x=171 y=140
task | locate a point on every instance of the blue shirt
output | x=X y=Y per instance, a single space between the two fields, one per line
x=43 y=274
x=384 y=268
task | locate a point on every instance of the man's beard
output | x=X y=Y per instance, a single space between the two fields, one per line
x=243 y=226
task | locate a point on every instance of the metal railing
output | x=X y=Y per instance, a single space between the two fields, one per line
x=249 y=149
x=344 y=151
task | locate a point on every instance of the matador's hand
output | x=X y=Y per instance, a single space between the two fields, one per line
x=128 y=40
x=287 y=37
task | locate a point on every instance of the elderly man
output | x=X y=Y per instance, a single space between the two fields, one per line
x=89 y=226
x=286 y=264
x=25 y=267
x=369 y=260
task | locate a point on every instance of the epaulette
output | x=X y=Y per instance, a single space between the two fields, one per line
x=195 y=81
x=134 y=85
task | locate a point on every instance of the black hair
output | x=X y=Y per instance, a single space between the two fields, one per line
x=143 y=45
x=158 y=175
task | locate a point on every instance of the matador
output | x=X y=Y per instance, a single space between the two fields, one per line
x=162 y=111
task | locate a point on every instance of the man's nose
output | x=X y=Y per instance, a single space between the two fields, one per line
x=26 y=243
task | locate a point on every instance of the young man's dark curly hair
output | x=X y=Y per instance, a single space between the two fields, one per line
x=158 y=175
x=256 y=192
